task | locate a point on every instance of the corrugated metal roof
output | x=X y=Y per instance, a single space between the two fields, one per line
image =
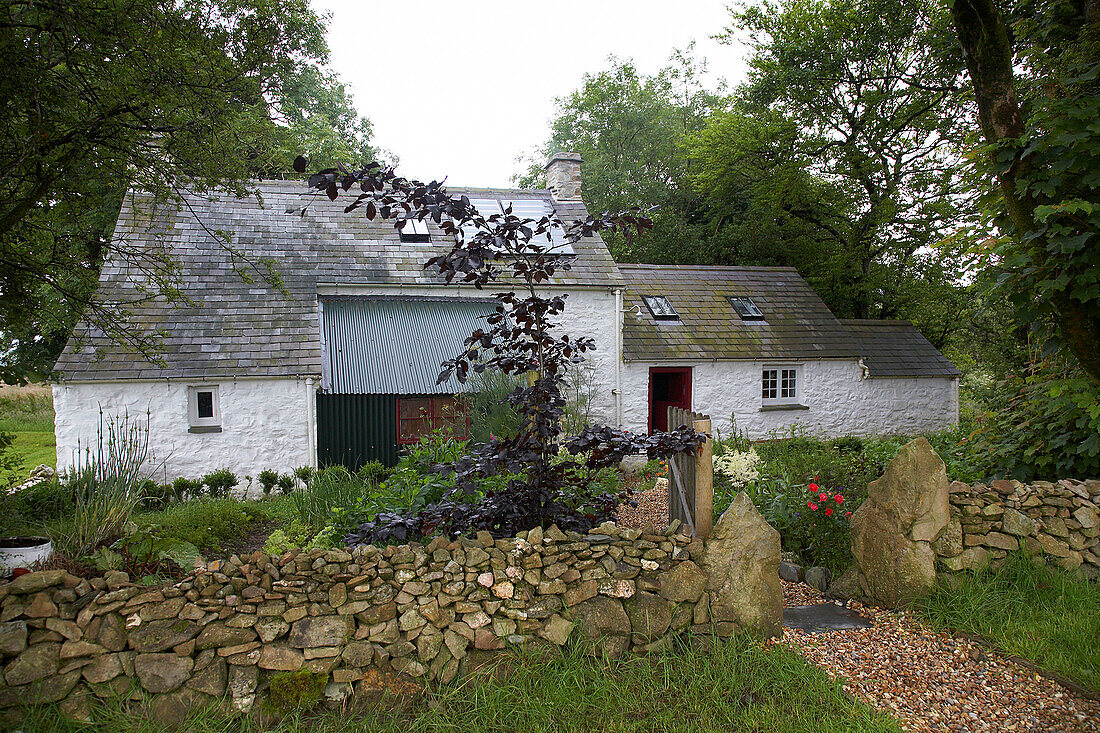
x=386 y=345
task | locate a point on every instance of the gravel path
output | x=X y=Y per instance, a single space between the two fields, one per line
x=652 y=508
x=932 y=681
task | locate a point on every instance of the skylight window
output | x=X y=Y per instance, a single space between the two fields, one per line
x=746 y=309
x=661 y=309
x=533 y=209
x=415 y=230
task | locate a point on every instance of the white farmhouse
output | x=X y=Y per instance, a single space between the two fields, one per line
x=340 y=364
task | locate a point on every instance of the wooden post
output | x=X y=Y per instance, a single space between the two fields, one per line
x=704 y=483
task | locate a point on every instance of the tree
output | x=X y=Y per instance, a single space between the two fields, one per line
x=1043 y=146
x=101 y=96
x=862 y=101
x=630 y=129
x=520 y=340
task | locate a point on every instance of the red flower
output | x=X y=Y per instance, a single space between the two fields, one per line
x=814 y=488
x=828 y=511
x=823 y=497
x=839 y=499
x=812 y=505
x=847 y=514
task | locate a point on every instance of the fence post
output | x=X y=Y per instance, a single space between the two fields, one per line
x=704 y=482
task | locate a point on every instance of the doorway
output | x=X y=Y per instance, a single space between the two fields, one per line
x=668 y=387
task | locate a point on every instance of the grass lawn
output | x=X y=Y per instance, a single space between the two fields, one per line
x=1042 y=614
x=740 y=686
x=27 y=414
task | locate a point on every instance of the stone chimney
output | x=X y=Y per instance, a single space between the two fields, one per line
x=563 y=176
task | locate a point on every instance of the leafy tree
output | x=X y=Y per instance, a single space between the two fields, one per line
x=630 y=128
x=849 y=133
x=520 y=340
x=1037 y=89
x=101 y=96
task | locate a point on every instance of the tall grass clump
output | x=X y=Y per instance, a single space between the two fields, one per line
x=1040 y=613
x=328 y=489
x=106 y=484
x=487 y=403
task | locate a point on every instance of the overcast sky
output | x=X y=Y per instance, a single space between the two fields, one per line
x=508 y=59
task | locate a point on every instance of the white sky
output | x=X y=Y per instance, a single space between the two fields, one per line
x=509 y=60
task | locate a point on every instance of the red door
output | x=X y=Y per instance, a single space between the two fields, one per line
x=668 y=387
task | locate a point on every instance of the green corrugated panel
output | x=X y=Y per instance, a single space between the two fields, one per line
x=355 y=428
x=391 y=345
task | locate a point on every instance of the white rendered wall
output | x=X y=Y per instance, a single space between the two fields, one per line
x=266 y=423
x=840 y=401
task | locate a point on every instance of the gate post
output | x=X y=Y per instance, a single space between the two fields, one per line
x=704 y=482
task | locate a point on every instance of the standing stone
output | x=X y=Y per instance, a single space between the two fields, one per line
x=741 y=561
x=905 y=511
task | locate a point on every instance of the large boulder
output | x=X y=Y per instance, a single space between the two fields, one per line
x=741 y=561
x=892 y=533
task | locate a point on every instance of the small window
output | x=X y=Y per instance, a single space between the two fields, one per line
x=415 y=230
x=746 y=309
x=418 y=417
x=661 y=309
x=204 y=413
x=779 y=385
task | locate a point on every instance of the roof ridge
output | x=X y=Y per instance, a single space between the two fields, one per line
x=760 y=268
x=877 y=321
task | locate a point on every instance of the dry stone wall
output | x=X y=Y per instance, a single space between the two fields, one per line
x=1057 y=521
x=224 y=630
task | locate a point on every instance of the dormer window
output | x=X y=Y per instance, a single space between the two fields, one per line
x=746 y=309
x=661 y=309
x=415 y=230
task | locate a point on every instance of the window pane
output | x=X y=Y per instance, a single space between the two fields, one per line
x=414 y=407
x=205 y=404
x=788 y=383
x=659 y=306
x=412 y=430
x=746 y=308
x=768 y=384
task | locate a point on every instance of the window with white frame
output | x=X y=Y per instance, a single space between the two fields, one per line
x=204 y=414
x=415 y=230
x=779 y=385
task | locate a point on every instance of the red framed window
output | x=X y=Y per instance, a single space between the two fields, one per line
x=420 y=416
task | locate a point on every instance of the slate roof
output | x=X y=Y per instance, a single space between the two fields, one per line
x=797 y=324
x=898 y=349
x=234 y=328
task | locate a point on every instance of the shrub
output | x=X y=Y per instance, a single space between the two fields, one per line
x=1043 y=425
x=267 y=479
x=156 y=495
x=285 y=483
x=42 y=502
x=185 y=488
x=738 y=468
x=106 y=485
x=219 y=483
x=373 y=472
x=304 y=474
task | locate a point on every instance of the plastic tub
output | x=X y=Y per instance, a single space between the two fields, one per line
x=23 y=552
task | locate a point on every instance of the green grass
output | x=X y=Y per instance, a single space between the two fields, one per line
x=740 y=686
x=1042 y=614
x=34 y=449
x=208 y=524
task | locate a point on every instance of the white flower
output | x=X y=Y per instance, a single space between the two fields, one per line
x=739 y=468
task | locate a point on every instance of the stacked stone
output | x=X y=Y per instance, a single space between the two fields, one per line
x=414 y=609
x=1058 y=521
